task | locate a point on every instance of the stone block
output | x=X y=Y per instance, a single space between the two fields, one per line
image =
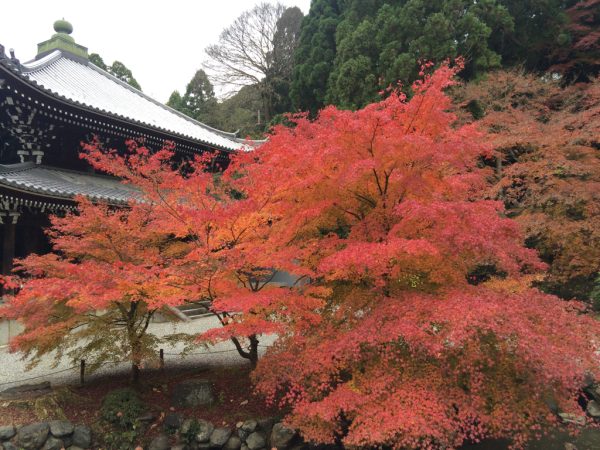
x=160 y=443
x=219 y=437
x=82 y=437
x=249 y=426
x=174 y=420
x=7 y=432
x=53 y=443
x=282 y=436
x=33 y=437
x=233 y=443
x=255 y=441
x=206 y=430
x=193 y=393
x=61 y=428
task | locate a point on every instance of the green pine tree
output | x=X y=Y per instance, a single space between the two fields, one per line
x=351 y=50
x=118 y=70
x=316 y=54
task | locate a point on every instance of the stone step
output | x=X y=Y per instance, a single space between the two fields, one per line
x=193 y=306
x=195 y=311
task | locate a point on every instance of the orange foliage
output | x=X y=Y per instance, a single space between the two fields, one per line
x=547 y=137
x=378 y=215
x=96 y=300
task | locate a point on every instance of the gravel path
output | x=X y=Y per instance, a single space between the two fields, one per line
x=13 y=373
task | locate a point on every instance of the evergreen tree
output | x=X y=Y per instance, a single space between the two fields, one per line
x=285 y=43
x=351 y=50
x=199 y=98
x=97 y=60
x=198 y=101
x=175 y=101
x=118 y=70
x=314 y=58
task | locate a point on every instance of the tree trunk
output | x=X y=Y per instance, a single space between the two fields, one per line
x=267 y=97
x=499 y=166
x=134 y=376
x=252 y=353
x=267 y=106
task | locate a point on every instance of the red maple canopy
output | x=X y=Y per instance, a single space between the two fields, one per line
x=382 y=340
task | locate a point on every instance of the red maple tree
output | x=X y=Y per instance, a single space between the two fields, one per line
x=546 y=138
x=377 y=214
x=234 y=254
x=386 y=204
x=578 y=54
x=95 y=297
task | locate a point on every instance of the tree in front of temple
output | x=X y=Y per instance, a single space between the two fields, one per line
x=95 y=297
x=234 y=254
x=382 y=206
x=382 y=340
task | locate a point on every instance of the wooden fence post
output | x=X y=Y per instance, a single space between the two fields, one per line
x=82 y=374
x=162 y=359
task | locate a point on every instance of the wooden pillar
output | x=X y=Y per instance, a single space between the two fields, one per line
x=8 y=250
x=8 y=254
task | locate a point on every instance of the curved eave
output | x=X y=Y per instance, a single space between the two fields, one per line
x=8 y=67
x=34 y=186
x=58 y=196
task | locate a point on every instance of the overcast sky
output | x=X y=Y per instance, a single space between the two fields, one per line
x=161 y=42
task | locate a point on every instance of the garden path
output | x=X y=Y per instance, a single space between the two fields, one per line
x=13 y=370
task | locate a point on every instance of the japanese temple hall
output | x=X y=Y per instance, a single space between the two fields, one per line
x=50 y=106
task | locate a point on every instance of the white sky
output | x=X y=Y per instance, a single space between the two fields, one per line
x=162 y=42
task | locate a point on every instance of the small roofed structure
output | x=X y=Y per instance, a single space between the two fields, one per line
x=50 y=106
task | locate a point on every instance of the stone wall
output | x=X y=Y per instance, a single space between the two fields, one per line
x=52 y=435
x=192 y=434
x=179 y=433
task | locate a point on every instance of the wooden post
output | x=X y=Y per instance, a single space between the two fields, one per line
x=8 y=254
x=258 y=114
x=162 y=359
x=82 y=374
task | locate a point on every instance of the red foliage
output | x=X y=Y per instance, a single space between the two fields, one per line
x=405 y=352
x=382 y=341
x=579 y=49
x=547 y=137
x=95 y=301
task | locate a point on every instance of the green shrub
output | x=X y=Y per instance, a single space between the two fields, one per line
x=124 y=401
x=191 y=432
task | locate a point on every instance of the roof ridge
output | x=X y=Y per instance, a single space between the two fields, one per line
x=38 y=64
x=230 y=144
x=225 y=134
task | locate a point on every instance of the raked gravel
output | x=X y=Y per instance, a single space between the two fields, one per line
x=13 y=370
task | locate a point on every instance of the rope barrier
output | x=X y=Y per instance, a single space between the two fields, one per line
x=33 y=378
x=59 y=371
x=119 y=362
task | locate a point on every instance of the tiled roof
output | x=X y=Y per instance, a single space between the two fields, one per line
x=62 y=183
x=90 y=87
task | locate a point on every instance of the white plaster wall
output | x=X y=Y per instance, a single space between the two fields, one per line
x=9 y=329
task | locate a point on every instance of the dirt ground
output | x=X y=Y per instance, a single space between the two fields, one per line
x=82 y=404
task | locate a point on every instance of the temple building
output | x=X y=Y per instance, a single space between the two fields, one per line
x=50 y=106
